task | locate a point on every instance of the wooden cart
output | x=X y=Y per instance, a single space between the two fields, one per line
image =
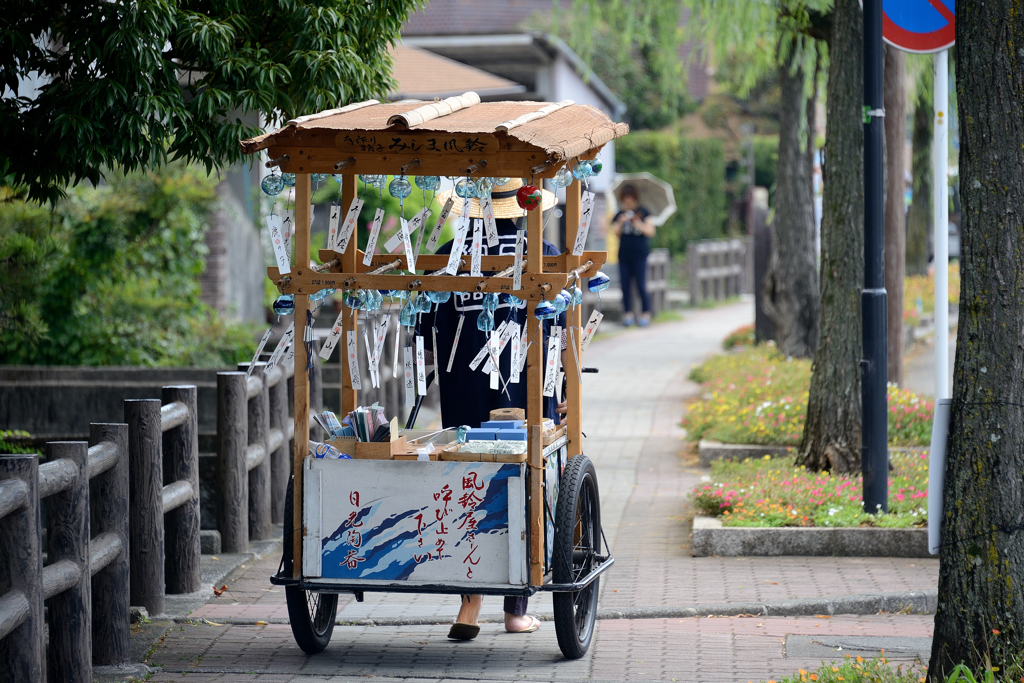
x=349 y=531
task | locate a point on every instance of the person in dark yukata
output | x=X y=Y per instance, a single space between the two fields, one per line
x=466 y=396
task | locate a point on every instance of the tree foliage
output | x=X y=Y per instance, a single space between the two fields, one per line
x=131 y=84
x=109 y=276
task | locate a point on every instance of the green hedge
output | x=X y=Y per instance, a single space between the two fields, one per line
x=696 y=171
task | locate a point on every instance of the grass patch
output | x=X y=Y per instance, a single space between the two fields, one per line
x=758 y=396
x=773 y=492
x=859 y=670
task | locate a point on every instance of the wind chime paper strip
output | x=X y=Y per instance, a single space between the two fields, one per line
x=282 y=345
x=332 y=230
x=369 y=353
x=514 y=370
x=437 y=366
x=410 y=379
x=349 y=226
x=410 y=258
x=419 y=220
x=277 y=239
x=421 y=367
x=487 y=209
x=435 y=236
x=371 y=240
x=455 y=344
x=506 y=330
x=492 y=348
x=482 y=353
x=259 y=349
x=551 y=366
x=477 y=247
x=353 y=358
x=396 y=241
x=288 y=229
x=458 y=248
x=517 y=267
x=327 y=350
x=586 y=215
x=394 y=356
x=590 y=329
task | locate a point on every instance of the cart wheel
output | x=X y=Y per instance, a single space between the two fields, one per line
x=577 y=542
x=311 y=614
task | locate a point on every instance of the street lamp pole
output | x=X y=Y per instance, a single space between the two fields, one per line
x=874 y=366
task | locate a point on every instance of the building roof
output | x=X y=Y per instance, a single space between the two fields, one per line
x=421 y=74
x=464 y=17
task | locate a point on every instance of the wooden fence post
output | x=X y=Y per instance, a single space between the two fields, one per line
x=258 y=413
x=146 y=512
x=108 y=495
x=232 y=477
x=69 y=657
x=181 y=525
x=280 y=458
x=21 y=562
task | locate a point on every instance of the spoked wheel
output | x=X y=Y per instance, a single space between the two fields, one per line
x=311 y=614
x=577 y=544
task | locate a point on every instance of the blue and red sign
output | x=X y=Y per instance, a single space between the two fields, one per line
x=919 y=25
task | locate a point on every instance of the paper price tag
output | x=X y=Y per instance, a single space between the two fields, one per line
x=371 y=240
x=259 y=350
x=487 y=209
x=421 y=368
x=458 y=247
x=349 y=226
x=327 y=350
x=505 y=331
x=455 y=344
x=332 y=230
x=279 y=350
x=586 y=215
x=410 y=257
x=352 y=342
x=590 y=329
x=278 y=242
x=478 y=247
x=482 y=353
x=514 y=370
x=410 y=380
x=517 y=264
x=492 y=348
x=551 y=365
x=435 y=235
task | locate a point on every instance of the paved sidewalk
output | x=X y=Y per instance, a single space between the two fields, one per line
x=631 y=413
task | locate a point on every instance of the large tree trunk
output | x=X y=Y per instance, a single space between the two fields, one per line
x=895 y=205
x=981 y=575
x=919 y=218
x=831 y=438
x=791 y=297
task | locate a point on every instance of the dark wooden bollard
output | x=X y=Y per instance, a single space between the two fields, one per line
x=69 y=657
x=21 y=566
x=280 y=458
x=256 y=455
x=232 y=477
x=181 y=524
x=146 y=524
x=108 y=493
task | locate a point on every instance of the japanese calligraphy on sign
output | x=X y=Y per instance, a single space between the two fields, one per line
x=386 y=142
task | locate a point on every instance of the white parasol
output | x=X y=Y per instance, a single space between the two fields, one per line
x=654 y=194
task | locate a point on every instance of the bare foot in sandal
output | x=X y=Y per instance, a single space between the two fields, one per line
x=521 y=624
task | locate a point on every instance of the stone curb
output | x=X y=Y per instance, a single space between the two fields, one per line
x=710 y=538
x=903 y=602
x=715 y=450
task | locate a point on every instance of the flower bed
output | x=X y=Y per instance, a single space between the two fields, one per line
x=919 y=294
x=758 y=396
x=741 y=336
x=772 y=492
x=859 y=670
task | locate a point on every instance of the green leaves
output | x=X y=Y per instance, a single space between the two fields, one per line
x=134 y=84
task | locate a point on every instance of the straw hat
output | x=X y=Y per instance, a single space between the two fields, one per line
x=503 y=200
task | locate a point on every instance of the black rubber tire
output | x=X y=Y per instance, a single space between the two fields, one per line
x=311 y=614
x=577 y=542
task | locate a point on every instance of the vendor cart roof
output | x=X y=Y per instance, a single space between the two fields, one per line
x=442 y=136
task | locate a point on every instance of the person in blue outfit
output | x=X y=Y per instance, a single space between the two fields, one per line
x=633 y=225
x=466 y=396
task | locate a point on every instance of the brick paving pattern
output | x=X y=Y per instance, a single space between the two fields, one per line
x=631 y=414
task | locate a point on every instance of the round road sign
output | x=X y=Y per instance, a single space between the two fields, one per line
x=919 y=25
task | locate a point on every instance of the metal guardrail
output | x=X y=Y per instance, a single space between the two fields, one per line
x=87 y=578
x=717 y=269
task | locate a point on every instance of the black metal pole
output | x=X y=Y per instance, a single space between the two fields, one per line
x=874 y=420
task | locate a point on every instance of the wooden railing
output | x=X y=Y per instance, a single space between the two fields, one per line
x=717 y=269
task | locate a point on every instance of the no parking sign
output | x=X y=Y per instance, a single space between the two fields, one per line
x=919 y=25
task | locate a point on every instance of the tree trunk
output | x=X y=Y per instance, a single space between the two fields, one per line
x=831 y=438
x=895 y=205
x=791 y=297
x=981 y=601
x=919 y=217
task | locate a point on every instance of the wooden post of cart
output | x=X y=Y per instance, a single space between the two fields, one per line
x=459 y=137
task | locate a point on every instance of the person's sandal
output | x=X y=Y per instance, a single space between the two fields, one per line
x=464 y=631
x=534 y=625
